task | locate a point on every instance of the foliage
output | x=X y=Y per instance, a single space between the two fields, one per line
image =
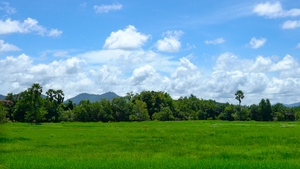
x=239 y=95
x=297 y=115
x=164 y=115
x=30 y=106
x=3 y=112
x=140 y=111
x=228 y=113
x=265 y=110
x=242 y=114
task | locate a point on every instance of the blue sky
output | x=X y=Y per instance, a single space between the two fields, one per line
x=207 y=48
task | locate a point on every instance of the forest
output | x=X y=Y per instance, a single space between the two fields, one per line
x=29 y=106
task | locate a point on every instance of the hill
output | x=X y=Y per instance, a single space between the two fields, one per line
x=292 y=105
x=93 y=97
x=2 y=97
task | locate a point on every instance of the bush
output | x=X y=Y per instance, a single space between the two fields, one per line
x=3 y=112
x=241 y=115
x=278 y=116
x=164 y=115
x=297 y=115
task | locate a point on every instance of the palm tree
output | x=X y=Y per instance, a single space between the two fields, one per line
x=36 y=90
x=59 y=95
x=239 y=95
x=50 y=95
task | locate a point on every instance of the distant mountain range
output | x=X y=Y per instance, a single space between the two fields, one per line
x=2 y=97
x=292 y=105
x=93 y=97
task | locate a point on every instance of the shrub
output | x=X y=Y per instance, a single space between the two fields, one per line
x=297 y=115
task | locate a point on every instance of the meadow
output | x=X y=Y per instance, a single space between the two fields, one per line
x=151 y=144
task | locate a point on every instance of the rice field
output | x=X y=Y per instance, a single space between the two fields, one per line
x=151 y=144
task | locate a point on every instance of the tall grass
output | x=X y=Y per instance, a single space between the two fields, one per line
x=183 y=144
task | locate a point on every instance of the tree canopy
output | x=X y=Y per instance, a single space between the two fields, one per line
x=29 y=106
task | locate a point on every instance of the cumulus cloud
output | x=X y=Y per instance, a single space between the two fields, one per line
x=126 y=39
x=291 y=24
x=257 y=43
x=107 y=8
x=216 y=41
x=141 y=74
x=286 y=64
x=170 y=43
x=230 y=73
x=8 y=9
x=130 y=60
x=6 y=47
x=185 y=79
x=21 y=72
x=59 y=68
x=231 y=62
x=29 y=25
x=274 y=10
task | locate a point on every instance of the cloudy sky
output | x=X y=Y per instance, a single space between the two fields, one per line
x=208 y=48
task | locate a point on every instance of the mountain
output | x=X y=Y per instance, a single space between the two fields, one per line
x=292 y=105
x=2 y=97
x=93 y=97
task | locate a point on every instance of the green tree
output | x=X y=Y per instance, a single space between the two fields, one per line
x=81 y=114
x=239 y=95
x=297 y=115
x=106 y=113
x=242 y=115
x=265 y=110
x=122 y=108
x=3 y=112
x=37 y=110
x=140 y=111
x=228 y=113
x=164 y=115
x=255 y=113
x=53 y=101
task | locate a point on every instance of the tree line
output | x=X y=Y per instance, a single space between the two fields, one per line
x=29 y=106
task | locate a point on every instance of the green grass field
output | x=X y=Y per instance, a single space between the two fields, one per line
x=182 y=144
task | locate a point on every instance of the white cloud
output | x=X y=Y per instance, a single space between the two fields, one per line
x=286 y=64
x=261 y=64
x=170 y=43
x=6 y=47
x=257 y=43
x=107 y=8
x=215 y=42
x=274 y=10
x=298 y=45
x=141 y=74
x=55 y=32
x=29 y=25
x=231 y=62
x=8 y=9
x=291 y=24
x=59 y=68
x=22 y=73
x=127 y=39
x=230 y=73
x=130 y=60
